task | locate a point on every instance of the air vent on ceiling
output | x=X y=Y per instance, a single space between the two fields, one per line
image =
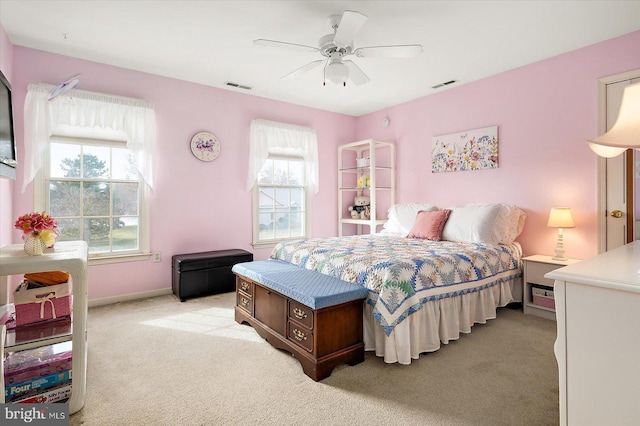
x=236 y=85
x=446 y=83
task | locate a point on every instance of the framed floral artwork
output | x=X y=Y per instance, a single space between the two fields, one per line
x=470 y=150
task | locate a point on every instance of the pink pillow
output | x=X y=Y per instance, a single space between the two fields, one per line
x=429 y=224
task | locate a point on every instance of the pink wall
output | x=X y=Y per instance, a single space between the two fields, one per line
x=545 y=112
x=6 y=185
x=196 y=206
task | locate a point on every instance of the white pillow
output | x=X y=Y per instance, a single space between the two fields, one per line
x=472 y=224
x=400 y=217
x=391 y=233
x=484 y=223
x=509 y=223
x=515 y=219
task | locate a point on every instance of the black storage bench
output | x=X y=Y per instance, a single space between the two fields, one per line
x=200 y=274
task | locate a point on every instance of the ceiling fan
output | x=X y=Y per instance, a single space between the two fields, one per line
x=64 y=86
x=334 y=47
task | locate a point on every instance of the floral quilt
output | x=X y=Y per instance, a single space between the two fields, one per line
x=402 y=274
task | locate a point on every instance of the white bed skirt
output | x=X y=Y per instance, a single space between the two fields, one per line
x=438 y=321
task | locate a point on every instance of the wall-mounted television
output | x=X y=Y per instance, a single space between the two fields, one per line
x=8 y=159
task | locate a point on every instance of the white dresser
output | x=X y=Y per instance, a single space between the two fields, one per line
x=598 y=344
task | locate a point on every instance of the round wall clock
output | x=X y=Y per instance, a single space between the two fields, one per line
x=205 y=146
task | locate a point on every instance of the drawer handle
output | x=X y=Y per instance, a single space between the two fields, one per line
x=299 y=335
x=244 y=286
x=244 y=302
x=299 y=313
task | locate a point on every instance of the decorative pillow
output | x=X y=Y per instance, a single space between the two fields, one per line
x=429 y=224
x=402 y=216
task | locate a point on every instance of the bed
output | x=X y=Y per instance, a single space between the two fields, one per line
x=431 y=273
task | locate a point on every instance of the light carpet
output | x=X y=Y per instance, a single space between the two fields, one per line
x=162 y=362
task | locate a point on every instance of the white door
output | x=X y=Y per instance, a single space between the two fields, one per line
x=616 y=218
x=619 y=172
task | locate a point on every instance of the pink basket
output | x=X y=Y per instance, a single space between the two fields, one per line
x=42 y=304
x=543 y=297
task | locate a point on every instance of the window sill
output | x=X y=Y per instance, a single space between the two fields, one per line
x=273 y=243
x=103 y=260
x=270 y=244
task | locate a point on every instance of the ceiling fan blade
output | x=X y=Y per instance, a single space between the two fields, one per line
x=303 y=69
x=64 y=86
x=399 y=51
x=356 y=74
x=283 y=44
x=349 y=26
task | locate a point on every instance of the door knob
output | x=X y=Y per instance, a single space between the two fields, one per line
x=616 y=213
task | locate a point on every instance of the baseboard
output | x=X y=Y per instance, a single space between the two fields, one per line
x=128 y=297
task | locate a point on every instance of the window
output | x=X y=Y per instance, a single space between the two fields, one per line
x=283 y=172
x=93 y=189
x=94 y=175
x=281 y=200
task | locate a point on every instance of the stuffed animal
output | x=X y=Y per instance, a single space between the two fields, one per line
x=361 y=208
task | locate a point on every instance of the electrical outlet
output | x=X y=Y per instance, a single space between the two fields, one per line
x=156 y=256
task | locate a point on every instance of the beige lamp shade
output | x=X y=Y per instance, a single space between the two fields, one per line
x=626 y=132
x=560 y=217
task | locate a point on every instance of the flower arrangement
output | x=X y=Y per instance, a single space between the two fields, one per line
x=40 y=225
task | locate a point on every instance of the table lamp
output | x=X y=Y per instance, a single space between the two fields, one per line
x=560 y=217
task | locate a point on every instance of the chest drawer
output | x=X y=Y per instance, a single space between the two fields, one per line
x=300 y=313
x=535 y=273
x=301 y=336
x=245 y=302
x=245 y=286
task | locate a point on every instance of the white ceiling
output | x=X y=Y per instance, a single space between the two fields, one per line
x=211 y=42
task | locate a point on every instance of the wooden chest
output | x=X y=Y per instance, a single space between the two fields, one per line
x=320 y=339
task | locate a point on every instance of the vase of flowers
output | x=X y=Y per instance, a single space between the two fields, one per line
x=39 y=231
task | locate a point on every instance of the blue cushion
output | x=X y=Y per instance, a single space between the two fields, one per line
x=308 y=287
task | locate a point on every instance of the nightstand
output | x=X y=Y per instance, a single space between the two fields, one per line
x=536 y=286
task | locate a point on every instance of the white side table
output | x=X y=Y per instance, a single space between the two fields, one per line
x=535 y=268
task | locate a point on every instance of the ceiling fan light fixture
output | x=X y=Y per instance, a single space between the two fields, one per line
x=336 y=46
x=337 y=72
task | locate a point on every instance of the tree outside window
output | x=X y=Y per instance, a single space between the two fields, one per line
x=94 y=193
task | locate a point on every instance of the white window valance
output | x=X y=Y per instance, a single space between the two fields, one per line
x=133 y=118
x=271 y=137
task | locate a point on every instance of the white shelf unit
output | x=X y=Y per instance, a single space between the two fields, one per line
x=382 y=175
x=68 y=256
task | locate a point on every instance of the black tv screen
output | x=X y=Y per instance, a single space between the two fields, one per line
x=8 y=160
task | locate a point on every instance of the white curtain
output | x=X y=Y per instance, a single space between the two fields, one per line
x=281 y=138
x=79 y=109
